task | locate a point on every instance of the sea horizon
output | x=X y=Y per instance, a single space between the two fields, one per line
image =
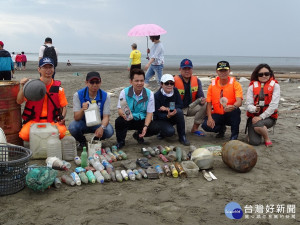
x=172 y=60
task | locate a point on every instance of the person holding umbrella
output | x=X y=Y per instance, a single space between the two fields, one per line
x=156 y=62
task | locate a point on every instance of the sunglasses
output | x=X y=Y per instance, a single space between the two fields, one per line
x=94 y=82
x=264 y=74
x=169 y=83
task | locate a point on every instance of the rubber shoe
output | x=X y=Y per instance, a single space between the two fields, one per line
x=136 y=137
x=221 y=134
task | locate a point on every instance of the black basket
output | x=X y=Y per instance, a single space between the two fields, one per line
x=13 y=168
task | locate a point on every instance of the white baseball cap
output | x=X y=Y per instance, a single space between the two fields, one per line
x=167 y=77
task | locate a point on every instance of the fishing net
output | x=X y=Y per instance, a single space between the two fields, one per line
x=40 y=178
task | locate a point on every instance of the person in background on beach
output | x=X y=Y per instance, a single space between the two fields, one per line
x=156 y=62
x=24 y=60
x=6 y=64
x=48 y=50
x=190 y=90
x=167 y=115
x=13 y=57
x=140 y=101
x=81 y=100
x=262 y=101
x=69 y=63
x=19 y=59
x=52 y=108
x=134 y=58
x=224 y=97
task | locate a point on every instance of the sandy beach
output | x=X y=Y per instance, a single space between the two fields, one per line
x=274 y=179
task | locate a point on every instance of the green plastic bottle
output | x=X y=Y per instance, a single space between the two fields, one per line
x=84 y=158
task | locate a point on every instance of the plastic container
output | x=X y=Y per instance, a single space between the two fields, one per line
x=191 y=169
x=76 y=178
x=126 y=109
x=68 y=147
x=84 y=159
x=92 y=115
x=54 y=146
x=91 y=176
x=99 y=177
x=39 y=135
x=55 y=163
x=13 y=171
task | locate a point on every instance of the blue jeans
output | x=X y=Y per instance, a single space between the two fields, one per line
x=158 y=69
x=79 y=128
x=232 y=119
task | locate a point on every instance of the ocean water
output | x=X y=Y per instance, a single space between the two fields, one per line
x=172 y=60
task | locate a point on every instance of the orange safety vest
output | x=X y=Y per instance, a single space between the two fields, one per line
x=268 y=92
x=193 y=86
x=228 y=92
x=33 y=109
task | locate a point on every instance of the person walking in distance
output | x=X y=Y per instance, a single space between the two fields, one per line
x=6 y=64
x=48 y=50
x=134 y=58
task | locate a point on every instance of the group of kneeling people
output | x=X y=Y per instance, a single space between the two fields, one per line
x=156 y=114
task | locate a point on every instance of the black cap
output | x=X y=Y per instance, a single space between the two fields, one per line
x=93 y=75
x=223 y=65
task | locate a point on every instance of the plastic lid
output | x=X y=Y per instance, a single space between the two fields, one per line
x=67 y=133
x=93 y=101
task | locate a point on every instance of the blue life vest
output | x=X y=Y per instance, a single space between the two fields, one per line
x=83 y=95
x=138 y=108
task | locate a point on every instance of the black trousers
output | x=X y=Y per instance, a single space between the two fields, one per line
x=122 y=126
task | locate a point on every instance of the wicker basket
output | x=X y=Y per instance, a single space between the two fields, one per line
x=13 y=168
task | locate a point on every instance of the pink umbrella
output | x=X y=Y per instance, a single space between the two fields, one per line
x=146 y=30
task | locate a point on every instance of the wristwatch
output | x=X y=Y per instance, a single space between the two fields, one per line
x=103 y=127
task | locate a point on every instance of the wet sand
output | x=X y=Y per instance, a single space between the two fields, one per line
x=274 y=179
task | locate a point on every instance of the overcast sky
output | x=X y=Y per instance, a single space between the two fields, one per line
x=194 y=27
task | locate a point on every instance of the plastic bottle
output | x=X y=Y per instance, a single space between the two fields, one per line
x=151 y=150
x=114 y=150
x=55 y=163
x=67 y=164
x=130 y=174
x=54 y=146
x=67 y=180
x=106 y=176
x=171 y=156
x=180 y=170
x=146 y=153
x=77 y=160
x=119 y=176
x=76 y=178
x=126 y=109
x=99 y=177
x=167 y=170
x=159 y=170
x=84 y=158
x=184 y=155
x=107 y=157
x=92 y=114
x=261 y=98
x=162 y=149
x=109 y=152
x=124 y=174
x=163 y=158
x=156 y=150
x=96 y=164
x=196 y=102
x=113 y=176
x=143 y=173
x=68 y=147
x=138 y=176
x=91 y=176
x=83 y=177
x=123 y=154
x=173 y=170
x=168 y=148
x=57 y=183
x=178 y=154
x=79 y=169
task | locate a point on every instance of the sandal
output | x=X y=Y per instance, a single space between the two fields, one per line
x=199 y=133
x=268 y=143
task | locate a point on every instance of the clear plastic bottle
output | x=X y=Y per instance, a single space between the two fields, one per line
x=124 y=174
x=83 y=177
x=68 y=147
x=57 y=183
x=67 y=180
x=91 y=176
x=77 y=160
x=126 y=109
x=138 y=176
x=84 y=160
x=92 y=115
x=55 y=163
x=76 y=178
x=54 y=146
x=123 y=154
x=96 y=164
x=143 y=173
x=119 y=176
x=106 y=176
x=67 y=164
x=99 y=177
x=130 y=174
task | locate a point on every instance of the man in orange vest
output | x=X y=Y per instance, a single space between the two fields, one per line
x=190 y=90
x=224 y=97
x=50 y=109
